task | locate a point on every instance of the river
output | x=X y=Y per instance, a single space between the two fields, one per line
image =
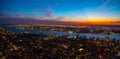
x=88 y=35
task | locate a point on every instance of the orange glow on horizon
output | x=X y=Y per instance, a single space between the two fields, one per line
x=94 y=21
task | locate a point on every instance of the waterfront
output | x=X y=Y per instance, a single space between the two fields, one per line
x=71 y=34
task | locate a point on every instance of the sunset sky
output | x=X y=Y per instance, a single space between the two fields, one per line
x=96 y=11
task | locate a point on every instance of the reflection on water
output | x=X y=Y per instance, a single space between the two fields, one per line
x=88 y=35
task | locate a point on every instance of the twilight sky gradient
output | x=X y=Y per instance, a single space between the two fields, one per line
x=62 y=10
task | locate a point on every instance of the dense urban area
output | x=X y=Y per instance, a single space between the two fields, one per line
x=25 y=45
